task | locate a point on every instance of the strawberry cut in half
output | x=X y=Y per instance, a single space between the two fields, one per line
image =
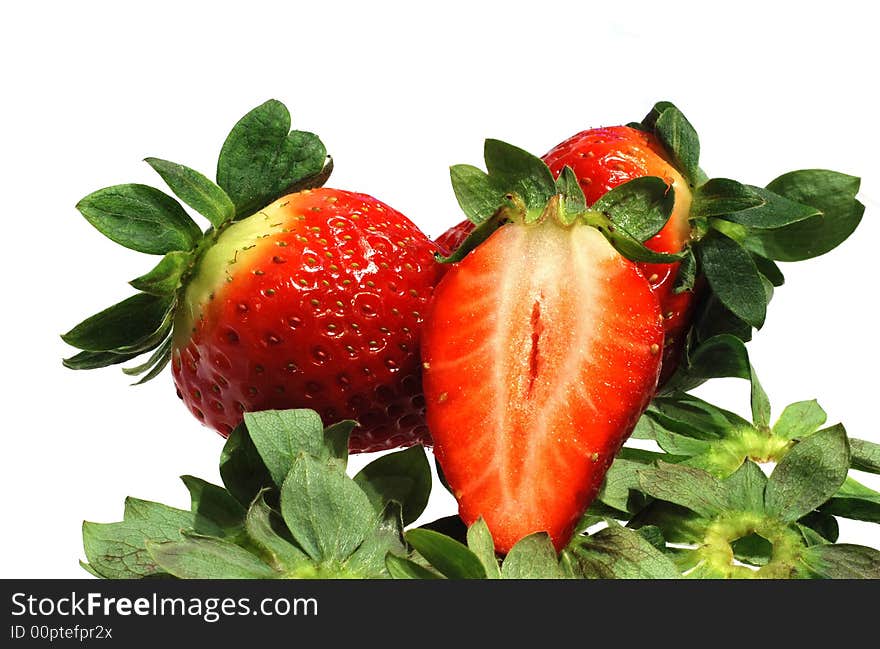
x=541 y=349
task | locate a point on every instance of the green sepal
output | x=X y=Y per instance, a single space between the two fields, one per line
x=195 y=190
x=128 y=326
x=154 y=364
x=733 y=277
x=687 y=272
x=215 y=511
x=271 y=539
x=385 y=537
x=769 y=269
x=204 y=557
x=477 y=194
x=619 y=553
x=824 y=458
x=95 y=360
x=720 y=196
x=865 y=456
x=573 y=200
x=842 y=561
x=242 y=469
x=799 y=420
x=164 y=278
x=680 y=140
x=141 y=218
x=532 y=557
x=403 y=568
x=519 y=172
x=452 y=559
x=745 y=488
x=641 y=206
x=403 y=477
x=512 y=209
x=688 y=487
x=480 y=542
x=772 y=211
x=626 y=244
x=262 y=159
x=854 y=500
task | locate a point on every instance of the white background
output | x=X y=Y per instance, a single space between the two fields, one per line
x=398 y=92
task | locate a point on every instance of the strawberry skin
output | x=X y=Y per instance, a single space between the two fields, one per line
x=541 y=350
x=316 y=301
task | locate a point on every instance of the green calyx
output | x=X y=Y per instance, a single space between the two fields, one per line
x=519 y=188
x=261 y=160
x=739 y=232
x=286 y=510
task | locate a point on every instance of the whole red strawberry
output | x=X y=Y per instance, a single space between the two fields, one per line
x=314 y=299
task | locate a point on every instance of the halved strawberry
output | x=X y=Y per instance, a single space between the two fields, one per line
x=540 y=352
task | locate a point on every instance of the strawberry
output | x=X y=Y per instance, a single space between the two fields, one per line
x=315 y=300
x=541 y=350
x=602 y=159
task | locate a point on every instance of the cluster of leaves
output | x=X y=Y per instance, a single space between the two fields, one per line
x=261 y=160
x=287 y=509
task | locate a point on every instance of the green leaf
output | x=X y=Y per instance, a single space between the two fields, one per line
x=95 y=360
x=477 y=194
x=620 y=482
x=799 y=420
x=480 y=542
x=203 y=557
x=772 y=211
x=164 y=279
x=745 y=488
x=141 y=218
x=854 y=500
x=687 y=272
x=723 y=196
x=760 y=403
x=695 y=489
x=280 y=435
x=626 y=244
x=573 y=200
x=753 y=549
x=517 y=171
x=327 y=513
x=241 y=468
x=809 y=474
x=720 y=356
x=215 y=511
x=195 y=190
x=829 y=192
x=401 y=568
x=336 y=437
x=842 y=561
x=619 y=553
x=769 y=269
x=160 y=356
x=679 y=524
x=641 y=206
x=118 y=550
x=453 y=559
x=267 y=531
x=532 y=557
x=385 y=537
x=480 y=233
x=123 y=327
x=733 y=277
x=694 y=417
x=865 y=456
x=403 y=477
x=820 y=523
x=680 y=140
x=262 y=159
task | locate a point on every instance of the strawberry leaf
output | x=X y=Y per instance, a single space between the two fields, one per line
x=695 y=489
x=204 y=557
x=452 y=559
x=832 y=194
x=680 y=140
x=242 y=469
x=401 y=568
x=271 y=538
x=385 y=537
x=95 y=360
x=854 y=500
x=771 y=211
x=132 y=325
x=281 y=435
x=769 y=269
x=403 y=477
x=799 y=420
x=842 y=561
x=519 y=172
x=745 y=488
x=164 y=279
x=865 y=455
x=573 y=200
x=482 y=232
x=619 y=553
x=641 y=206
x=480 y=542
x=626 y=244
x=141 y=218
x=327 y=513
x=195 y=190
x=262 y=159
x=720 y=196
x=687 y=272
x=215 y=511
x=477 y=194
x=118 y=550
x=532 y=557
x=733 y=277
x=808 y=475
